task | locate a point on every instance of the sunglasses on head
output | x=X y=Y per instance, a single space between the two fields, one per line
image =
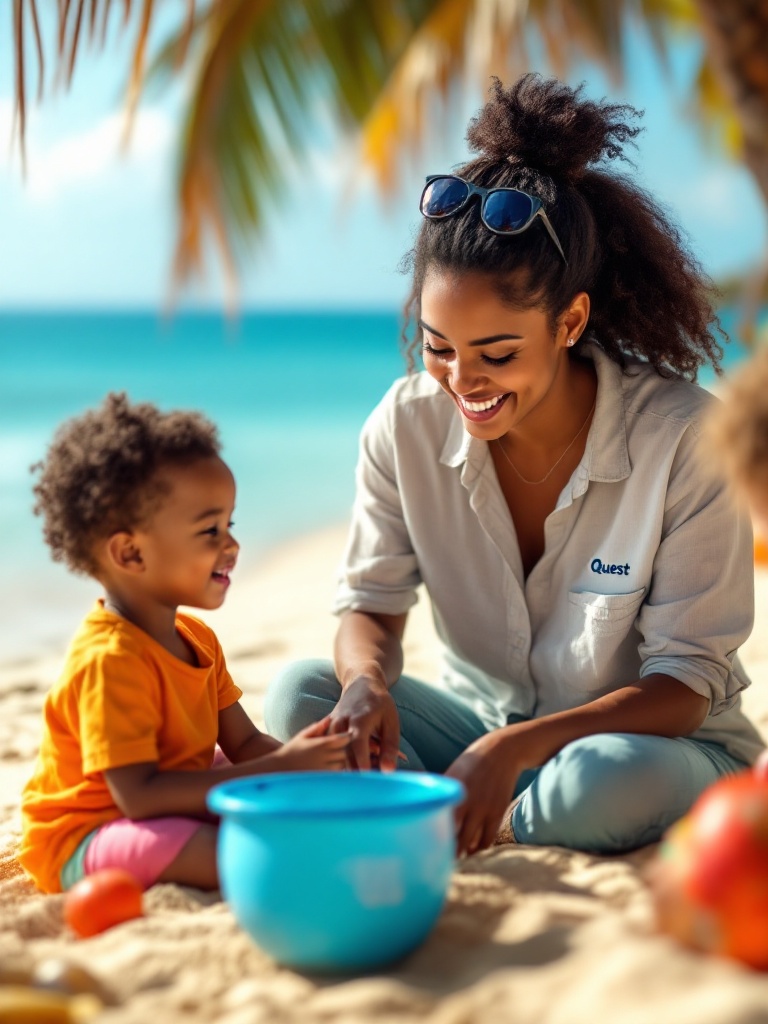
x=504 y=211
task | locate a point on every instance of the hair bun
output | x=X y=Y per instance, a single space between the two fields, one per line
x=543 y=123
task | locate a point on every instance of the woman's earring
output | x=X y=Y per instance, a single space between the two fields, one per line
x=571 y=341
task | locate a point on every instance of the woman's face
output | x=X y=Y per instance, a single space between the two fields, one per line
x=499 y=365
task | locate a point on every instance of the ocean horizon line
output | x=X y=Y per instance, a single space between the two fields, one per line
x=213 y=310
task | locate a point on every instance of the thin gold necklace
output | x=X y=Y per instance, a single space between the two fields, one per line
x=547 y=475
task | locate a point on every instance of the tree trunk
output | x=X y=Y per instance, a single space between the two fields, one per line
x=737 y=35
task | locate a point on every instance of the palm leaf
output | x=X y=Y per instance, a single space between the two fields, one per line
x=137 y=67
x=70 y=21
x=437 y=51
x=714 y=112
x=263 y=69
x=21 y=99
x=264 y=72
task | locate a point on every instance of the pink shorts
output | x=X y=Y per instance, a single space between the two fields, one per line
x=142 y=848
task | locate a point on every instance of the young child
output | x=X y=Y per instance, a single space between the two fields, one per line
x=141 y=501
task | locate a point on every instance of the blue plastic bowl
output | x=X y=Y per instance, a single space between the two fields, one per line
x=336 y=871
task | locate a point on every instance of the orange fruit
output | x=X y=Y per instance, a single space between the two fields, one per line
x=102 y=900
x=761 y=551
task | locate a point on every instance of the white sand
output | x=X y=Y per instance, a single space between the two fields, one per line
x=538 y=935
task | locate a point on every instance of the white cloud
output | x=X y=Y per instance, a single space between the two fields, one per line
x=85 y=158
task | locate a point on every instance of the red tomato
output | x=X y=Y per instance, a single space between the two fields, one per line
x=101 y=900
x=710 y=880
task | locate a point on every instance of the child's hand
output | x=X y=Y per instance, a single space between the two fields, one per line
x=313 y=749
x=375 y=748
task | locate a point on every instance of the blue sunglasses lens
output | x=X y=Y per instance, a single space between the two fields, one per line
x=443 y=197
x=507 y=211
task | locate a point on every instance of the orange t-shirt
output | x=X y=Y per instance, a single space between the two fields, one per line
x=121 y=699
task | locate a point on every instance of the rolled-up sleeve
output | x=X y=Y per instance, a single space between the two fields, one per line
x=700 y=606
x=379 y=571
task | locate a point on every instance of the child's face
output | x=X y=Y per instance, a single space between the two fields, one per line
x=186 y=547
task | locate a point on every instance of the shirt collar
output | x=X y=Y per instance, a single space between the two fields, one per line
x=606 y=455
x=457 y=443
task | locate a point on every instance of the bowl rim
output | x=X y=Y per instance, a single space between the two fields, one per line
x=221 y=800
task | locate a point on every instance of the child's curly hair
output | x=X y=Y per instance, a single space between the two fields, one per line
x=737 y=427
x=100 y=473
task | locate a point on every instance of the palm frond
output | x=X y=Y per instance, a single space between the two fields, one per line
x=714 y=112
x=39 y=48
x=23 y=10
x=212 y=189
x=436 y=52
x=175 y=51
x=601 y=22
x=77 y=22
x=677 y=15
x=71 y=16
x=137 y=69
x=187 y=32
x=20 y=113
x=266 y=73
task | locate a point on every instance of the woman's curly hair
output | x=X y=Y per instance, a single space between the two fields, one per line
x=100 y=473
x=649 y=295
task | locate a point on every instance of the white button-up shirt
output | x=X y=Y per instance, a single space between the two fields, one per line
x=647 y=565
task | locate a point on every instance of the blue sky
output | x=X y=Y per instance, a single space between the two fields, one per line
x=91 y=228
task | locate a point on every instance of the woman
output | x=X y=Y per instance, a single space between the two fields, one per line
x=590 y=578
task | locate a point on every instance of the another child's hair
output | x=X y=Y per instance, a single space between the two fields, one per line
x=100 y=473
x=736 y=432
x=649 y=295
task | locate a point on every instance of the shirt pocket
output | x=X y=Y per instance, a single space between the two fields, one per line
x=605 y=614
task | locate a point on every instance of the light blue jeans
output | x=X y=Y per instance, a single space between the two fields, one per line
x=605 y=793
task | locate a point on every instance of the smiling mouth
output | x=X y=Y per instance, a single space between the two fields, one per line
x=222 y=576
x=481 y=410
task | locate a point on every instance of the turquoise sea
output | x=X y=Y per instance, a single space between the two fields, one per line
x=289 y=392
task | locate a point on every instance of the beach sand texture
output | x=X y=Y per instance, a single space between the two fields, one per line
x=529 y=934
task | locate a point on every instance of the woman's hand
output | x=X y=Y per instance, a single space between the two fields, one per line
x=367 y=712
x=489 y=772
x=313 y=749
